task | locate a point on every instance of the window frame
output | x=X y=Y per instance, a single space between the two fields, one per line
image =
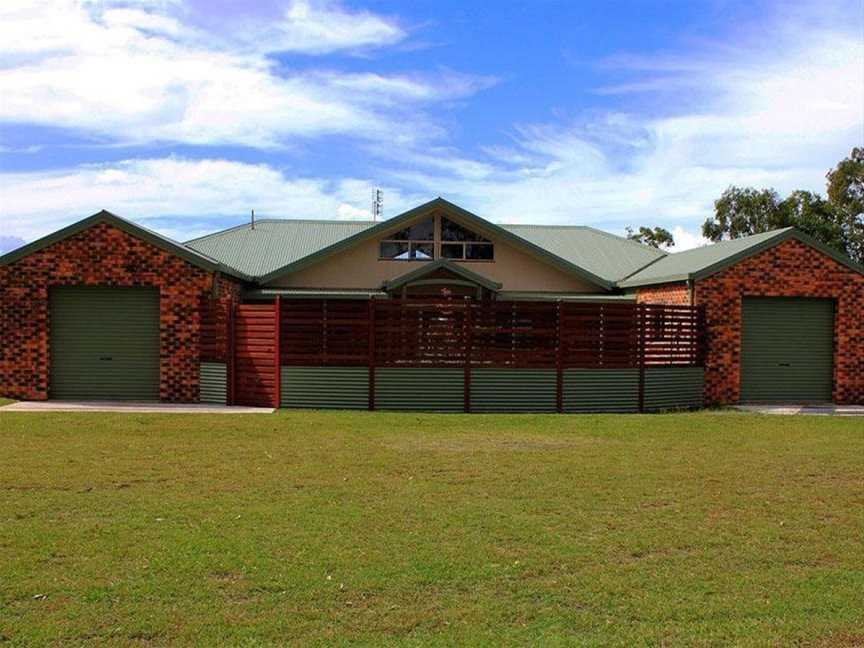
x=437 y=243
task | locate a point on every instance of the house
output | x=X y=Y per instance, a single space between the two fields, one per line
x=106 y=309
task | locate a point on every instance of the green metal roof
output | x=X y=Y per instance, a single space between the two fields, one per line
x=274 y=244
x=195 y=257
x=604 y=254
x=702 y=262
x=278 y=247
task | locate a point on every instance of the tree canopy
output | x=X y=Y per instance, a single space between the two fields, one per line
x=655 y=237
x=837 y=221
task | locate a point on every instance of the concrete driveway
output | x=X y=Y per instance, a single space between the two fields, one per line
x=817 y=410
x=130 y=407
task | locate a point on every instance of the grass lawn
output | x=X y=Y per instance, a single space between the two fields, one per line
x=406 y=529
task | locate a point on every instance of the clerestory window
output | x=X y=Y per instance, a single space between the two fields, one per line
x=417 y=243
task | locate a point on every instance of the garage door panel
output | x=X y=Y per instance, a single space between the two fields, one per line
x=104 y=343
x=787 y=349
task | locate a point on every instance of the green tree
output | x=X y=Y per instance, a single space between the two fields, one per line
x=837 y=221
x=655 y=237
x=846 y=194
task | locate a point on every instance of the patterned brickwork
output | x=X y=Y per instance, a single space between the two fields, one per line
x=102 y=256
x=790 y=269
x=671 y=294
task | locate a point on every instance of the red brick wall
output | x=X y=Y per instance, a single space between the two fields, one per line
x=671 y=294
x=790 y=269
x=101 y=256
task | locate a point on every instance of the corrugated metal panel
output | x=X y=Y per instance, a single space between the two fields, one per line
x=513 y=390
x=419 y=388
x=606 y=255
x=601 y=390
x=787 y=349
x=325 y=387
x=274 y=243
x=678 y=266
x=674 y=387
x=104 y=343
x=214 y=383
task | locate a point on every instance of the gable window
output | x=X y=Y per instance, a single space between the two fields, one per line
x=414 y=243
x=418 y=243
x=460 y=244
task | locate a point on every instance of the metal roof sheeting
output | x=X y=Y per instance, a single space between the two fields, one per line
x=682 y=266
x=274 y=244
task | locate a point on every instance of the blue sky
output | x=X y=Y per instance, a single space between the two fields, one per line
x=185 y=114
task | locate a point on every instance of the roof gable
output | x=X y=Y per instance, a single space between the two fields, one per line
x=442 y=264
x=699 y=263
x=458 y=214
x=153 y=238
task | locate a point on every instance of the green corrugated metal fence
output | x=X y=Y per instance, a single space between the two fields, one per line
x=601 y=390
x=214 y=383
x=513 y=390
x=669 y=388
x=429 y=389
x=325 y=387
x=491 y=390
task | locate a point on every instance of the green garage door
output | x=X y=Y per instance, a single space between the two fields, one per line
x=787 y=350
x=104 y=343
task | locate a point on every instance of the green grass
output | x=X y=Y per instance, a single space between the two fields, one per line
x=410 y=530
x=5 y=401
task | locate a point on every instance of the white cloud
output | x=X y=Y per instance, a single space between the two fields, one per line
x=138 y=75
x=320 y=27
x=686 y=240
x=778 y=117
x=200 y=195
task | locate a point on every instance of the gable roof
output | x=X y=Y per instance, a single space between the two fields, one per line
x=194 y=257
x=274 y=244
x=445 y=264
x=279 y=247
x=698 y=263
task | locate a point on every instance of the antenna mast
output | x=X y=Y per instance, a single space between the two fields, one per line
x=253 y=220
x=377 y=204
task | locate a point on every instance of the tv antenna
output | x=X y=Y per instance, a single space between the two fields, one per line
x=377 y=204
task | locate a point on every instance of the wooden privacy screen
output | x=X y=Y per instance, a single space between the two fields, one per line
x=465 y=334
x=256 y=351
x=421 y=333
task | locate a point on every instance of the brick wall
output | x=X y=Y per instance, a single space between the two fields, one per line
x=790 y=269
x=102 y=256
x=671 y=294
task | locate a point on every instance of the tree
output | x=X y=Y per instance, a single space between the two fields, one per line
x=837 y=221
x=656 y=237
x=846 y=194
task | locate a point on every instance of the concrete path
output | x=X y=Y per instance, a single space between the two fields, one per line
x=131 y=407
x=818 y=410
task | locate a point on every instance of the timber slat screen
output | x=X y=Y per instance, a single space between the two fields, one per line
x=256 y=370
x=460 y=334
x=494 y=334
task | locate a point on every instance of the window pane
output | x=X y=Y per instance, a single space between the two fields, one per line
x=479 y=251
x=452 y=250
x=422 y=251
x=422 y=231
x=394 y=250
x=451 y=231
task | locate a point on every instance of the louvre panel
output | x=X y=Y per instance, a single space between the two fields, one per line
x=669 y=388
x=787 y=349
x=601 y=390
x=325 y=387
x=104 y=343
x=214 y=383
x=513 y=390
x=434 y=389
